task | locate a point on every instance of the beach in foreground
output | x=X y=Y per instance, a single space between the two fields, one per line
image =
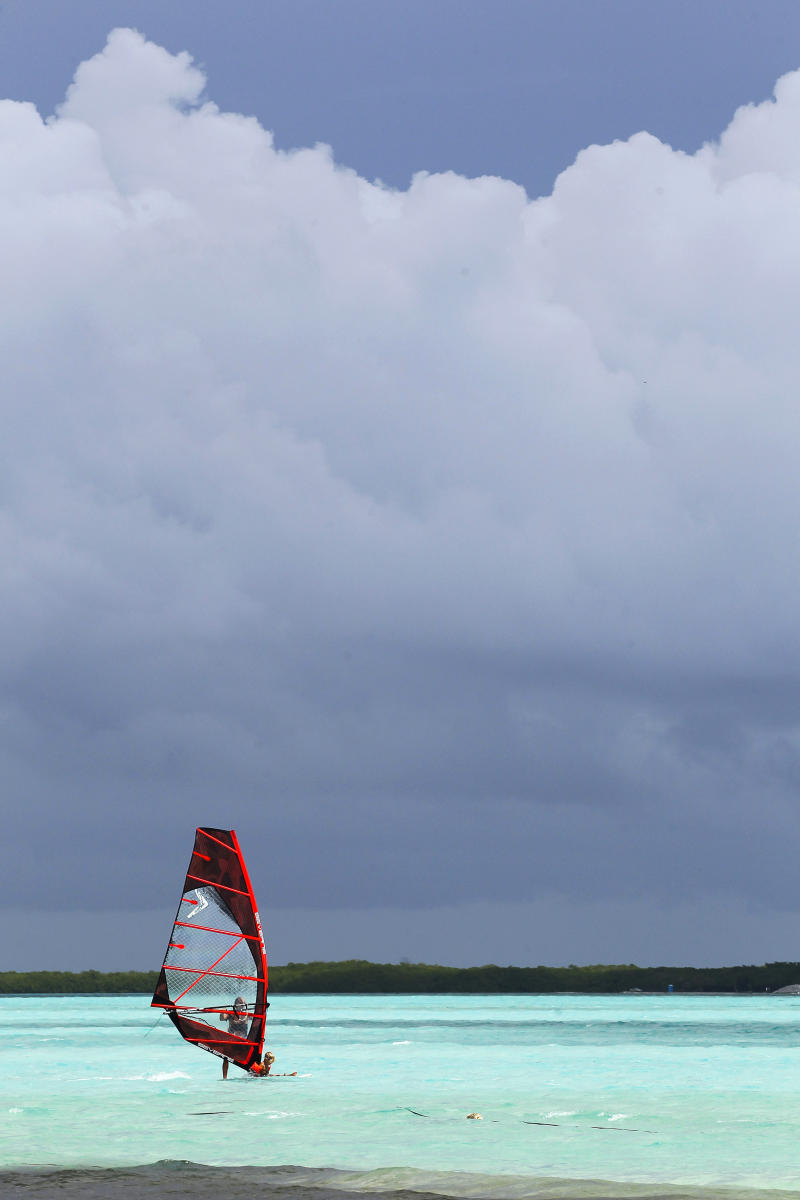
x=581 y=1096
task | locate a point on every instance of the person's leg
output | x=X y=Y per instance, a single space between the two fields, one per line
x=224 y=1068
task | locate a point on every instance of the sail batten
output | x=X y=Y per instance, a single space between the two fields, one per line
x=232 y=940
x=210 y=929
x=217 y=975
x=198 y=879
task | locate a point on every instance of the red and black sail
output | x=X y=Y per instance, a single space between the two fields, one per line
x=216 y=954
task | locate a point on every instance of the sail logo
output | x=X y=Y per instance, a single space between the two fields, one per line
x=200 y=904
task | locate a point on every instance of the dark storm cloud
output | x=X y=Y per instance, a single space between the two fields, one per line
x=441 y=541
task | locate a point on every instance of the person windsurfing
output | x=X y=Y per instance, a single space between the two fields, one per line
x=237 y=1019
x=238 y=1025
x=204 y=956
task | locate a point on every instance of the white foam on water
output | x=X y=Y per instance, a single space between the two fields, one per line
x=271 y=1116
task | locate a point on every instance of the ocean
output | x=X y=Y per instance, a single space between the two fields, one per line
x=580 y=1096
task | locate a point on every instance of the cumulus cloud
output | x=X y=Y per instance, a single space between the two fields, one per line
x=443 y=539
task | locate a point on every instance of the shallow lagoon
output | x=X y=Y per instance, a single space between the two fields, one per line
x=652 y=1090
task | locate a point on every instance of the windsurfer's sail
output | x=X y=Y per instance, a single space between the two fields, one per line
x=216 y=955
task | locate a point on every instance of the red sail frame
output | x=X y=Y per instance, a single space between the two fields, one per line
x=216 y=873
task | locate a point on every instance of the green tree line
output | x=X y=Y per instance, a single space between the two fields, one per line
x=360 y=976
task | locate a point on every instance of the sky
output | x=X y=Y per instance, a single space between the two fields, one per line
x=399 y=466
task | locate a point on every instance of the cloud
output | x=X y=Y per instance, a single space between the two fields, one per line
x=444 y=539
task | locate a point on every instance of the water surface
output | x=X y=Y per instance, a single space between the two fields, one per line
x=649 y=1092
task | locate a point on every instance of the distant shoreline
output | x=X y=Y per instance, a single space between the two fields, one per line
x=360 y=977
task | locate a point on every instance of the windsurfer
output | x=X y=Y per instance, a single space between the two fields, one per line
x=237 y=1020
x=238 y=1024
x=226 y=944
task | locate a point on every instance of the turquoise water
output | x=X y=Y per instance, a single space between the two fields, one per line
x=690 y=1091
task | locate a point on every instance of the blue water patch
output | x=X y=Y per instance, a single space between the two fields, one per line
x=534 y=1031
x=694 y=1092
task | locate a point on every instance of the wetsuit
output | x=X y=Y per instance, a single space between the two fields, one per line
x=238 y=1025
